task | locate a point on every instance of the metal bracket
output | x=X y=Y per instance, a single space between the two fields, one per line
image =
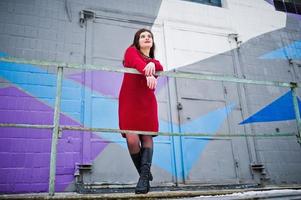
x=60 y=132
x=179 y=106
x=85 y=15
x=80 y=169
x=234 y=36
x=294 y=84
x=298 y=138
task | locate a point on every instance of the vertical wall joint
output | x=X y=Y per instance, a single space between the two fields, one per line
x=296 y=109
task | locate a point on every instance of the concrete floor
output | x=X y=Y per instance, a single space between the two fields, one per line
x=286 y=194
x=271 y=192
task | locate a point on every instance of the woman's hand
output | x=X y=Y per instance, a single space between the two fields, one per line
x=151 y=82
x=150 y=69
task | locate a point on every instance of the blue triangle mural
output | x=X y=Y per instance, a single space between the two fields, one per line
x=279 y=110
x=292 y=51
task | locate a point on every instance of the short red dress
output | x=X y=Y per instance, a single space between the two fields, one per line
x=138 y=108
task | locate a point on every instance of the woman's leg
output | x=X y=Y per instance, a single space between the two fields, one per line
x=146 y=161
x=133 y=142
x=146 y=141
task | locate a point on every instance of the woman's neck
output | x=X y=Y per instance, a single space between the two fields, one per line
x=145 y=51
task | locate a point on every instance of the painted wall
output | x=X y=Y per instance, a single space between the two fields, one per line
x=189 y=37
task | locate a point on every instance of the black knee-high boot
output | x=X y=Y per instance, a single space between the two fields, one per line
x=136 y=157
x=146 y=162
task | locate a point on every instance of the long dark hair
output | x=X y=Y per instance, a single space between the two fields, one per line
x=136 y=41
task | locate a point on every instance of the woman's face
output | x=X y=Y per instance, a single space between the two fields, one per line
x=145 y=40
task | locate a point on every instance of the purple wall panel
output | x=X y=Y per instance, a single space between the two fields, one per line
x=25 y=153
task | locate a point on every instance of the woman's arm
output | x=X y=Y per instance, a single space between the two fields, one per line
x=158 y=65
x=151 y=82
x=132 y=59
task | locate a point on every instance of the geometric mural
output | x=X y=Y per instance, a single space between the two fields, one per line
x=292 y=51
x=279 y=110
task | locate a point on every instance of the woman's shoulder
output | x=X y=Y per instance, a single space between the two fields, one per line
x=131 y=49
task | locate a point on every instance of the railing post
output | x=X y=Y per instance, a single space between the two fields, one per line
x=297 y=112
x=55 y=133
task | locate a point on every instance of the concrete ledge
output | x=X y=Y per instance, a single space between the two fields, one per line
x=150 y=195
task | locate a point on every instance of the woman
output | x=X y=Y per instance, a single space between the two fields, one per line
x=138 y=105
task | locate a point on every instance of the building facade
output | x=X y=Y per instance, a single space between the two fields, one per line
x=251 y=39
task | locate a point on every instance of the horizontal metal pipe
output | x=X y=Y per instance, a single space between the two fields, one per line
x=112 y=130
x=38 y=126
x=188 y=75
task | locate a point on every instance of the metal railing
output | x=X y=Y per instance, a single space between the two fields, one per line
x=57 y=129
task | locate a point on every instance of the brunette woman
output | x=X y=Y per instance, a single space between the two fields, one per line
x=138 y=108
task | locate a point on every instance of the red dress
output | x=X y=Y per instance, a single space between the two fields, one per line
x=138 y=108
